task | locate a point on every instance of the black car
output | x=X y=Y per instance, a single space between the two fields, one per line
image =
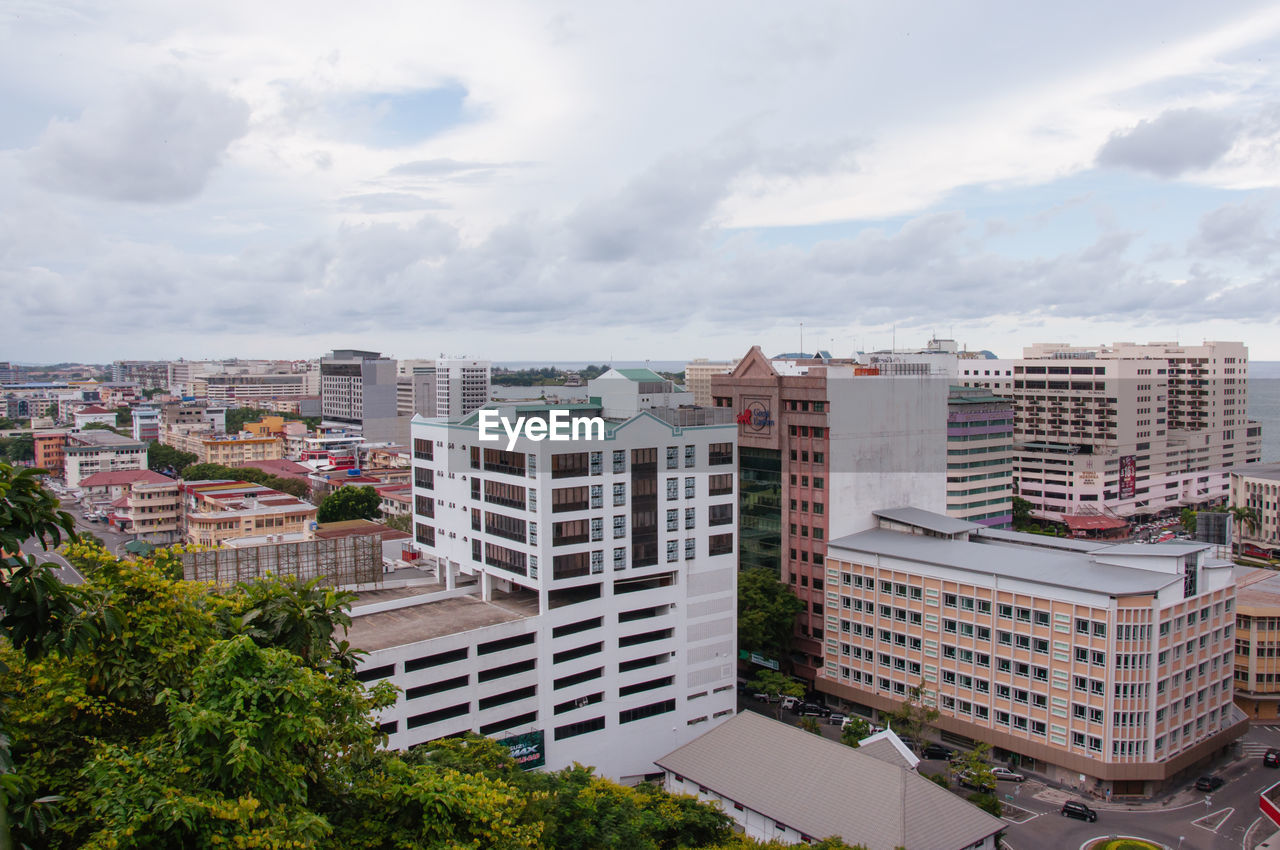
x=936 y=751
x=1212 y=782
x=1072 y=809
x=812 y=709
x=1272 y=758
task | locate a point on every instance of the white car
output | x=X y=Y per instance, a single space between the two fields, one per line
x=1004 y=774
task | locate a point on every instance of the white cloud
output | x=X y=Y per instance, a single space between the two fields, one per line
x=157 y=142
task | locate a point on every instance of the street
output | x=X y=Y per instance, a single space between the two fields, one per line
x=1183 y=819
x=112 y=539
x=1186 y=819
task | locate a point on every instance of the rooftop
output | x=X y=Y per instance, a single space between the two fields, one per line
x=357 y=528
x=1269 y=471
x=927 y=520
x=432 y=618
x=823 y=788
x=124 y=476
x=1052 y=567
x=1257 y=589
x=888 y=747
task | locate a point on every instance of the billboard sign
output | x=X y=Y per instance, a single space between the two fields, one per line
x=1128 y=476
x=529 y=750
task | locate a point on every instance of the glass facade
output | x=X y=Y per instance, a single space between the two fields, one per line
x=760 y=509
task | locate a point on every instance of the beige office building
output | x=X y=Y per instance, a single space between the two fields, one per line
x=1124 y=429
x=1107 y=667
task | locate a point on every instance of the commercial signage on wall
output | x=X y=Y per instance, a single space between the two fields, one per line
x=756 y=416
x=1128 y=476
x=529 y=750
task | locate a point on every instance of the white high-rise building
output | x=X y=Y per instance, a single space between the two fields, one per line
x=1124 y=429
x=461 y=386
x=588 y=588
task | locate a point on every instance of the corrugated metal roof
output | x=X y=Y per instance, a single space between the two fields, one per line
x=1051 y=567
x=823 y=788
x=929 y=520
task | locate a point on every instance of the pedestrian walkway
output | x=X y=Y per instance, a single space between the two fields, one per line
x=1255 y=749
x=1058 y=796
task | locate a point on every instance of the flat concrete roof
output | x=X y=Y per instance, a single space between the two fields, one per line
x=1269 y=471
x=429 y=620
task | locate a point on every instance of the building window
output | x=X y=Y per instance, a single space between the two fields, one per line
x=673 y=489
x=619 y=527
x=690 y=456
x=673 y=457
x=690 y=487
x=673 y=550
x=720 y=544
x=673 y=519
x=619 y=461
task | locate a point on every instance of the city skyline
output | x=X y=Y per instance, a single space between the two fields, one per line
x=268 y=181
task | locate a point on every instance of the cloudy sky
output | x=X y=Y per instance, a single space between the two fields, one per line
x=532 y=181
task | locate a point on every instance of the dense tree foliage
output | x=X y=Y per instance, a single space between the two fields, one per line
x=295 y=487
x=20 y=448
x=204 y=716
x=167 y=459
x=350 y=503
x=767 y=612
x=854 y=731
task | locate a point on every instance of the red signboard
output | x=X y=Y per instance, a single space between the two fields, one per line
x=1128 y=476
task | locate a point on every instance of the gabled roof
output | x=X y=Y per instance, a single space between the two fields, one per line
x=123 y=476
x=823 y=788
x=93 y=408
x=888 y=747
x=754 y=365
x=640 y=374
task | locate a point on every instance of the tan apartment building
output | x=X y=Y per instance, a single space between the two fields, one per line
x=1257 y=486
x=697 y=378
x=1106 y=667
x=229 y=450
x=1257 y=670
x=1124 y=429
x=217 y=511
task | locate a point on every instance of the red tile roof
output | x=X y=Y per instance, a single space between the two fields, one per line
x=124 y=476
x=1092 y=522
x=279 y=468
x=93 y=408
x=359 y=527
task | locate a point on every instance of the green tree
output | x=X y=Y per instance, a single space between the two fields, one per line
x=302 y=617
x=1021 y=512
x=767 y=612
x=975 y=765
x=1188 y=520
x=404 y=522
x=854 y=731
x=350 y=503
x=167 y=459
x=124 y=416
x=20 y=448
x=810 y=724
x=775 y=684
x=912 y=718
x=1243 y=515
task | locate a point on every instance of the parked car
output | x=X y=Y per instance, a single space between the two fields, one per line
x=1004 y=774
x=812 y=709
x=1072 y=809
x=968 y=780
x=1210 y=782
x=789 y=703
x=1271 y=758
x=837 y=718
x=936 y=751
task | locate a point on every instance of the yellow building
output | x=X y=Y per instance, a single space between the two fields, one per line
x=268 y=426
x=1257 y=666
